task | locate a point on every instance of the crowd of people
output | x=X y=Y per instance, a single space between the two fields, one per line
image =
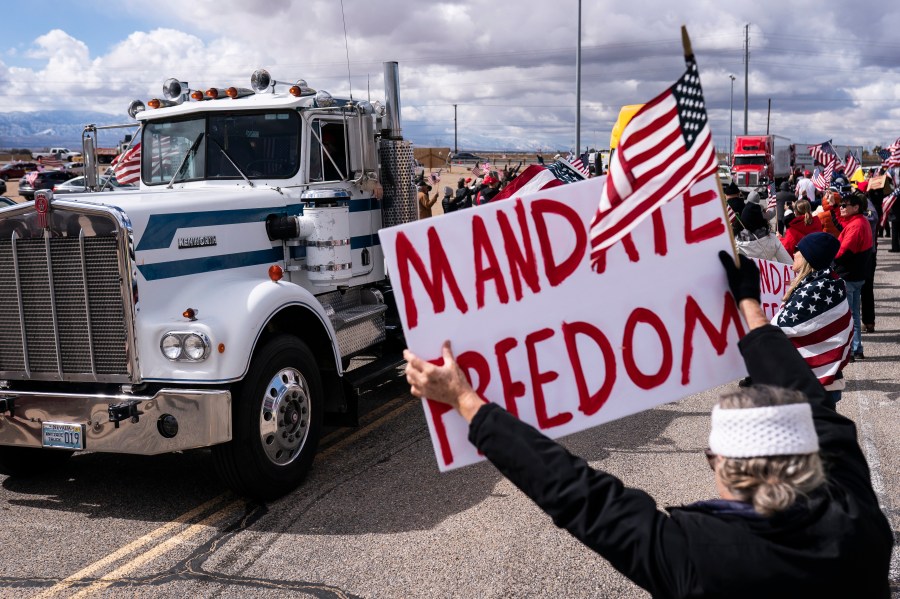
x=772 y=225
x=796 y=513
x=470 y=191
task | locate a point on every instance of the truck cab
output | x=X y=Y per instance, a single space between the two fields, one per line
x=223 y=303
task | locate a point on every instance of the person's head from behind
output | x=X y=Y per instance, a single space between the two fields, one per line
x=461 y=183
x=764 y=448
x=753 y=219
x=803 y=209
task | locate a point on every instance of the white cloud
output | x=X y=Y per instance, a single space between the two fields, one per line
x=508 y=67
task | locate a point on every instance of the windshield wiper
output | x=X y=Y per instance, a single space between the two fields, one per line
x=187 y=155
x=227 y=157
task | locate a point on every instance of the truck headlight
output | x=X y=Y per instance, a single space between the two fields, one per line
x=185 y=346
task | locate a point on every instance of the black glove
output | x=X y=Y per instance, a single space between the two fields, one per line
x=743 y=281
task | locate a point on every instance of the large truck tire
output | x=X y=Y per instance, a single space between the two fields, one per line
x=26 y=462
x=276 y=422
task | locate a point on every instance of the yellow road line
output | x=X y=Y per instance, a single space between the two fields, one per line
x=195 y=529
x=374 y=424
x=130 y=548
x=158 y=550
x=368 y=417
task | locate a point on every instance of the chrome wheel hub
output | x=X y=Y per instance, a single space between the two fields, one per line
x=284 y=419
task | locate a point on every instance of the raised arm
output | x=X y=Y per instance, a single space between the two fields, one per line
x=620 y=523
x=771 y=359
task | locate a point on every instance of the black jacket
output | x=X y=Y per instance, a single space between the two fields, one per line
x=837 y=543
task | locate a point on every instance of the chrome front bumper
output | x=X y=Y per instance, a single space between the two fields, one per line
x=204 y=419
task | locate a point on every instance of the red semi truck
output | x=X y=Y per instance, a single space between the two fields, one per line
x=759 y=159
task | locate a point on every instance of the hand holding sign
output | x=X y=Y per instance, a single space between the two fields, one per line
x=445 y=383
x=743 y=281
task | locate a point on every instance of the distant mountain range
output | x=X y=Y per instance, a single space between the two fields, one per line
x=54 y=128
x=49 y=128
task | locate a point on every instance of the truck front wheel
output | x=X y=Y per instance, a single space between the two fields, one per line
x=276 y=422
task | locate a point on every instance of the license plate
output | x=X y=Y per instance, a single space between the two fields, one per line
x=62 y=435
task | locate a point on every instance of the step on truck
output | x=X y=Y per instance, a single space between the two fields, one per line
x=222 y=304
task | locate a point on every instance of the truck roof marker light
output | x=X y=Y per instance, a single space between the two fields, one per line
x=157 y=103
x=276 y=272
x=135 y=107
x=197 y=95
x=237 y=92
x=221 y=348
x=213 y=93
x=301 y=88
x=261 y=81
x=190 y=314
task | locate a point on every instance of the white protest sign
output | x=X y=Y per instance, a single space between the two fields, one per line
x=539 y=332
x=774 y=280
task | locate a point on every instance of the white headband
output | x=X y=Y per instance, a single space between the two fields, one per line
x=768 y=431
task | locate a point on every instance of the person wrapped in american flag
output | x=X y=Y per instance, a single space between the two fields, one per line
x=815 y=315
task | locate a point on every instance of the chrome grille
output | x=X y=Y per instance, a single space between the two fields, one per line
x=62 y=301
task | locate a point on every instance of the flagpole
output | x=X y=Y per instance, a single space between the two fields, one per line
x=689 y=55
x=578 y=88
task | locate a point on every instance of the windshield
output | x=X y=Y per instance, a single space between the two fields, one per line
x=221 y=146
x=739 y=160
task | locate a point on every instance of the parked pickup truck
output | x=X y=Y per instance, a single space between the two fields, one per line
x=62 y=153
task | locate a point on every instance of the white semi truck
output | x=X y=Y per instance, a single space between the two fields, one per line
x=221 y=305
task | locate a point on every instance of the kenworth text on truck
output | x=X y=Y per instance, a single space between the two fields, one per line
x=221 y=304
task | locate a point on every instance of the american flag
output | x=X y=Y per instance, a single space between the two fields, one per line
x=817 y=320
x=536 y=177
x=480 y=170
x=823 y=153
x=578 y=165
x=50 y=163
x=822 y=179
x=771 y=204
x=886 y=206
x=892 y=157
x=664 y=150
x=730 y=212
x=851 y=163
x=127 y=166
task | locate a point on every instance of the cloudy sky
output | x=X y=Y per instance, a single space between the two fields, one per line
x=830 y=68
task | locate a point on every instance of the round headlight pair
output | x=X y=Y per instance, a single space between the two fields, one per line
x=185 y=346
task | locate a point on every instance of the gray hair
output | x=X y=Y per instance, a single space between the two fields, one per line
x=772 y=484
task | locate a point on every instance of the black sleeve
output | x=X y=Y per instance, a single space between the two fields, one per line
x=621 y=524
x=771 y=359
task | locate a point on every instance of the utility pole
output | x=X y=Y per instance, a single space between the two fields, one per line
x=769 y=116
x=731 y=124
x=455 y=144
x=746 y=73
x=578 y=88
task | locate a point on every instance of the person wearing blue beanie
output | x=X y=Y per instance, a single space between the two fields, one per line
x=819 y=249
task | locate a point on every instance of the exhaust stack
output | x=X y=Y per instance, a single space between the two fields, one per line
x=391 y=124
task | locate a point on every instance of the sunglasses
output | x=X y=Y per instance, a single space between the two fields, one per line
x=710 y=458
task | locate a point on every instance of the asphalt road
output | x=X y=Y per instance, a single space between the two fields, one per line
x=375 y=518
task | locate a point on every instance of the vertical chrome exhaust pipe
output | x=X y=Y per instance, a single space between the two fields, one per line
x=391 y=124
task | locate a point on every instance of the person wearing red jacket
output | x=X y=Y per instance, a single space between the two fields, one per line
x=851 y=259
x=800 y=226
